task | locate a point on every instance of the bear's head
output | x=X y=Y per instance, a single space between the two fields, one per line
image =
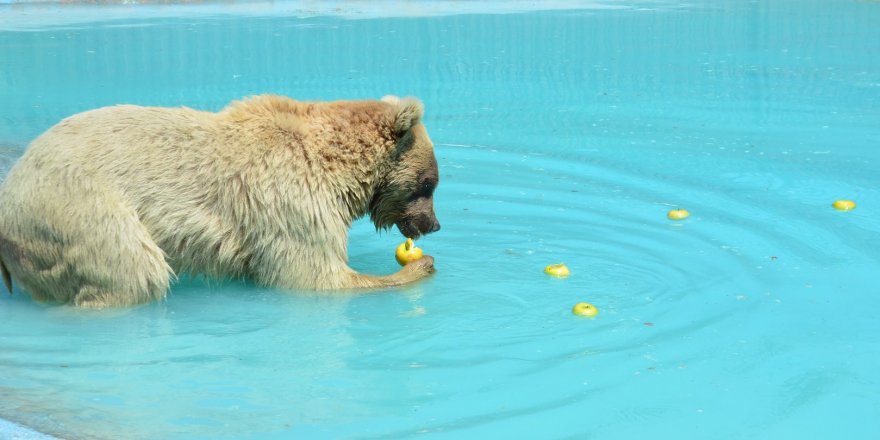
x=405 y=194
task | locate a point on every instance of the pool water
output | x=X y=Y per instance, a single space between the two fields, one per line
x=563 y=135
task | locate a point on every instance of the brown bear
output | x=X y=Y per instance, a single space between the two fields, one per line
x=107 y=206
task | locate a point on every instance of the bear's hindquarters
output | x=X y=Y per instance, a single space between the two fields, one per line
x=78 y=242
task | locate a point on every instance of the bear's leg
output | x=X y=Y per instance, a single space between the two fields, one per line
x=319 y=265
x=412 y=272
x=90 y=250
x=117 y=263
x=298 y=267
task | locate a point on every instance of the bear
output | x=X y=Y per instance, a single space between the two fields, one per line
x=109 y=206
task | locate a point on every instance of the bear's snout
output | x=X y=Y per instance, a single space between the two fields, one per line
x=429 y=224
x=415 y=228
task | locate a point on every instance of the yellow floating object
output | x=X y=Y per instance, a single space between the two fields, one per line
x=678 y=214
x=557 y=270
x=844 y=205
x=407 y=252
x=585 y=309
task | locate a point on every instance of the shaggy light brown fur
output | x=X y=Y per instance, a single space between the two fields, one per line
x=105 y=207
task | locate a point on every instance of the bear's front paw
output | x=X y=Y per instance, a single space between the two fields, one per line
x=423 y=265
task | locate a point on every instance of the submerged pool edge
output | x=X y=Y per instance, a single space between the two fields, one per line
x=14 y=431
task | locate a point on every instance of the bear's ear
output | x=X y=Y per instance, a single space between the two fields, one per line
x=407 y=112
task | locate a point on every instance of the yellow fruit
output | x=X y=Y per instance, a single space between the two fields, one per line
x=678 y=214
x=844 y=205
x=407 y=252
x=585 y=309
x=557 y=270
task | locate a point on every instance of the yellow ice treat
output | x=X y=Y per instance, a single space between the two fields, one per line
x=557 y=270
x=678 y=214
x=585 y=309
x=407 y=252
x=844 y=205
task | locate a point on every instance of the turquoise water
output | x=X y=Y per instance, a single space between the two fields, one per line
x=563 y=135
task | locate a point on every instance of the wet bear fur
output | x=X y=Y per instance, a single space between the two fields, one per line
x=106 y=207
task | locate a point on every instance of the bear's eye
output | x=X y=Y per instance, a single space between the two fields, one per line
x=426 y=189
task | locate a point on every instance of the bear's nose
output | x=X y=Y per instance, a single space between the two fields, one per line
x=436 y=227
